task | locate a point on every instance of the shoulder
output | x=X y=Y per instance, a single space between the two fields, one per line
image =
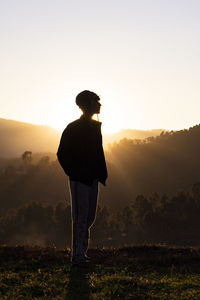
x=96 y=123
x=81 y=124
x=72 y=125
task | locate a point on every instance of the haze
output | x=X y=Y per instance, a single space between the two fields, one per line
x=142 y=57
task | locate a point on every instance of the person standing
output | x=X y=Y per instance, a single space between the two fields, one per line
x=81 y=155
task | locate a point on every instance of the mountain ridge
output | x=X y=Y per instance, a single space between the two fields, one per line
x=17 y=137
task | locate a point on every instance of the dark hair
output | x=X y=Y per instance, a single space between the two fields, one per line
x=83 y=99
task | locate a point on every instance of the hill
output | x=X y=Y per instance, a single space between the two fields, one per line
x=164 y=164
x=17 y=137
x=131 y=134
x=168 y=163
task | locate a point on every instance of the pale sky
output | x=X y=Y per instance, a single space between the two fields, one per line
x=141 y=56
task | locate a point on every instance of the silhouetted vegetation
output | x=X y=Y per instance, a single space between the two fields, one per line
x=152 y=195
x=167 y=163
x=156 y=219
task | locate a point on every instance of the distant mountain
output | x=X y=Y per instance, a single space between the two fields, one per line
x=131 y=134
x=17 y=137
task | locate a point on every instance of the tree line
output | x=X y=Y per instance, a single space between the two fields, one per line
x=158 y=218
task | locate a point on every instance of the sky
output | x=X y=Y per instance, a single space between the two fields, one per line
x=142 y=57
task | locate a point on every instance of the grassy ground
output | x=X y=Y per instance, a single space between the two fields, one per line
x=138 y=272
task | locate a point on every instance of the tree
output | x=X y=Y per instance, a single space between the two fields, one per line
x=27 y=157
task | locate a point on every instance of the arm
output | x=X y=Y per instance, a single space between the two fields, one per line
x=64 y=153
x=102 y=163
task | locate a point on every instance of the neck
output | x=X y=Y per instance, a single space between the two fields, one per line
x=87 y=115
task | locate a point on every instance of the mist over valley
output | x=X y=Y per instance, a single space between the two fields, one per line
x=153 y=186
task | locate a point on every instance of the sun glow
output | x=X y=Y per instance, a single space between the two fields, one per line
x=60 y=123
x=68 y=112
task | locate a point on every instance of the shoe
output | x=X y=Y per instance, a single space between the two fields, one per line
x=87 y=258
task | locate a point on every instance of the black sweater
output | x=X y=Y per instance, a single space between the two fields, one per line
x=80 y=152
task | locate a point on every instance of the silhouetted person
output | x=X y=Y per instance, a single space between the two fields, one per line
x=81 y=155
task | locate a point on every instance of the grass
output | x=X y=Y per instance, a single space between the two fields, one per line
x=137 y=272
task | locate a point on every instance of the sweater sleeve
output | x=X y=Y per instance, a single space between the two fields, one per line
x=103 y=173
x=64 y=152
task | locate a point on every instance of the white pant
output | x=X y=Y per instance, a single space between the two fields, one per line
x=84 y=203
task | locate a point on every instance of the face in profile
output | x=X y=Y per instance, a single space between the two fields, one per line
x=96 y=107
x=93 y=108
